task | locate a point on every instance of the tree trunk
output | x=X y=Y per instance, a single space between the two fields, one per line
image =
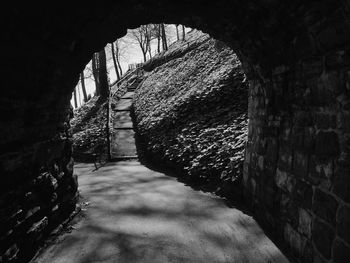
x=95 y=72
x=75 y=98
x=183 y=32
x=144 y=56
x=148 y=42
x=79 y=96
x=177 y=32
x=144 y=52
x=120 y=67
x=158 y=36
x=149 y=49
x=82 y=80
x=117 y=51
x=115 y=62
x=103 y=77
x=165 y=44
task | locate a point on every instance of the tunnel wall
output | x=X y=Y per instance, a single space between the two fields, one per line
x=296 y=57
x=296 y=171
x=40 y=195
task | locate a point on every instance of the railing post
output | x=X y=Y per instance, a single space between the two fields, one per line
x=108 y=134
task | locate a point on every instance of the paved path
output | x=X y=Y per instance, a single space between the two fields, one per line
x=138 y=215
x=123 y=142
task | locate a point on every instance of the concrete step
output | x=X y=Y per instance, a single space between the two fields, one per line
x=116 y=159
x=122 y=119
x=123 y=105
x=123 y=143
x=128 y=94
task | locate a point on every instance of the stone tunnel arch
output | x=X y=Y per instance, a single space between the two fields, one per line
x=296 y=56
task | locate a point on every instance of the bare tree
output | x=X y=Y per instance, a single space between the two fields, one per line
x=119 y=54
x=177 y=31
x=99 y=70
x=183 y=33
x=75 y=98
x=149 y=39
x=164 y=39
x=141 y=36
x=103 y=77
x=115 y=61
x=95 y=72
x=82 y=80
x=159 y=36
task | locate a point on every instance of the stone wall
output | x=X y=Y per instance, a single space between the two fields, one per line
x=41 y=194
x=297 y=159
x=296 y=57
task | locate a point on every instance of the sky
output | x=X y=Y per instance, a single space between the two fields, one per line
x=131 y=53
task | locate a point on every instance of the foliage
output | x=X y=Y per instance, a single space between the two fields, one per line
x=191 y=111
x=89 y=127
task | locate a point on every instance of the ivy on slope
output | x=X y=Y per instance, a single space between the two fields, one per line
x=89 y=128
x=191 y=113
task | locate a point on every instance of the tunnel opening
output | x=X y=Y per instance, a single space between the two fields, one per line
x=296 y=57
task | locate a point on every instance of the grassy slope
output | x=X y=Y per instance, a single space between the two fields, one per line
x=191 y=112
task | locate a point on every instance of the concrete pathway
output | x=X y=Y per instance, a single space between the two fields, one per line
x=138 y=215
x=123 y=142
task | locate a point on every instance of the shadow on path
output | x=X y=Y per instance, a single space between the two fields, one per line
x=138 y=215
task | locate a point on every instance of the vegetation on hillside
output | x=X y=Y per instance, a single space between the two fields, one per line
x=89 y=128
x=191 y=112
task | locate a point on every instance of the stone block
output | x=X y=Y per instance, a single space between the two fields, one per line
x=343 y=121
x=308 y=253
x=341 y=252
x=314 y=174
x=326 y=120
x=296 y=241
x=318 y=258
x=303 y=194
x=271 y=151
x=327 y=145
x=300 y=165
x=323 y=236
x=334 y=61
x=305 y=222
x=304 y=46
x=37 y=228
x=343 y=223
x=309 y=140
x=284 y=181
x=285 y=159
x=341 y=183
x=303 y=119
x=293 y=215
x=11 y=253
x=74 y=183
x=325 y=206
x=320 y=95
x=297 y=137
x=312 y=67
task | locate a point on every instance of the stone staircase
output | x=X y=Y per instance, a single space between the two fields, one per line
x=122 y=138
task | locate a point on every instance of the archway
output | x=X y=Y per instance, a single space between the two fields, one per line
x=296 y=56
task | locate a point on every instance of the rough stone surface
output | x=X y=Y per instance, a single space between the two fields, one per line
x=325 y=206
x=323 y=237
x=341 y=252
x=343 y=223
